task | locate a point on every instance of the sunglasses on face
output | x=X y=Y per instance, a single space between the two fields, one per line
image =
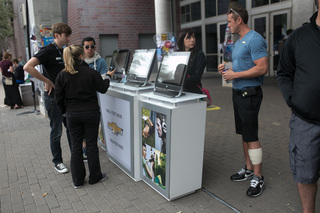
x=91 y=46
x=234 y=12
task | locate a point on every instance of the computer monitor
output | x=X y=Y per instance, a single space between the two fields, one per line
x=172 y=74
x=141 y=67
x=120 y=60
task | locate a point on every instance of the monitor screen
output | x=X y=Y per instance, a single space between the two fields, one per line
x=142 y=63
x=120 y=61
x=172 y=73
x=168 y=72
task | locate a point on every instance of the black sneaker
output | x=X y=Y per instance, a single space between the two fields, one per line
x=80 y=186
x=257 y=185
x=104 y=176
x=61 y=168
x=243 y=174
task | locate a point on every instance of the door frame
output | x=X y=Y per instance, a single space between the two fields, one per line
x=220 y=54
x=269 y=32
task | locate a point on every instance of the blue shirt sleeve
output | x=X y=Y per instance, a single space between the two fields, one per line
x=102 y=66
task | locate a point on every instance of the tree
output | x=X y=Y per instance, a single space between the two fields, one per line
x=6 y=24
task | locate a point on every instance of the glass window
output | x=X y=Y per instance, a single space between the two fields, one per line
x=211 y=38
x=195 y=11
x=260 y=26
x=187 y=8
x=212 y=63
x=197 y=31
x=222 y=32
x=190 y=12
x=211 y=8
x=257 y=3
x=274 y=1
x=223 y=6
x=185 y=14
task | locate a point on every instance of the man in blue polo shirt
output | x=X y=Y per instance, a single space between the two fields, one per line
x=250 y=64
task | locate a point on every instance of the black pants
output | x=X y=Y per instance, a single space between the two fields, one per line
x=84 y=124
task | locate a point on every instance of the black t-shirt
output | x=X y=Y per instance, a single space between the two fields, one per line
x=51 y=58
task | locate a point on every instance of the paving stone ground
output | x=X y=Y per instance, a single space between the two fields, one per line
x=29 y=183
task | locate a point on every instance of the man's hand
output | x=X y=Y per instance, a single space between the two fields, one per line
x=48 y=86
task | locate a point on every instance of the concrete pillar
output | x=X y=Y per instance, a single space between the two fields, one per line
x=163 y=16
x=301 y=12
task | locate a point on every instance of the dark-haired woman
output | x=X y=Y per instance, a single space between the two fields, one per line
x=76 y=96
x=197 y=61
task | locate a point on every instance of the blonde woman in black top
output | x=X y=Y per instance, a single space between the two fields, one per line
x=76 y=96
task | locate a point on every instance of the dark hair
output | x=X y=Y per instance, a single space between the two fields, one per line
x=317 y=3
x=186 y=32
x=88 y=39
x=7 y=55
x=15 y=61
x=61 y=28
x=242 y=12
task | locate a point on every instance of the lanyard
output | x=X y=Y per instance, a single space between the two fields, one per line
x=54 y=43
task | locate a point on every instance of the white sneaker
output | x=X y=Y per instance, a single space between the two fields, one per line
x=61 y=168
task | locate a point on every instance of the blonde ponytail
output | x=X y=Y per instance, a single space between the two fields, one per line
x=70 y=55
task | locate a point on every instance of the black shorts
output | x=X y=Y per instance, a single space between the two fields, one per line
x=246 y=107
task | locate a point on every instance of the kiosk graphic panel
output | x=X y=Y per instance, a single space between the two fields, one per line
x=115 y=114
x=154 y=140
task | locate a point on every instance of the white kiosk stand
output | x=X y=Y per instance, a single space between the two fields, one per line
x=119 y=121
x=172 y=154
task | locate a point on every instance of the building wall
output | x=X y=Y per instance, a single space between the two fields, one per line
x=124 y=18
x=127 y=19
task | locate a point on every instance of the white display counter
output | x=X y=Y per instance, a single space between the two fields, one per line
x=120 y=126
x=171 y=155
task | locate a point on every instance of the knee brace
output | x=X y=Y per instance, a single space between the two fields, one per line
x=255 y=155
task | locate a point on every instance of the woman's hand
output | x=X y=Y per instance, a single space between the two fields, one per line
x=111 y=73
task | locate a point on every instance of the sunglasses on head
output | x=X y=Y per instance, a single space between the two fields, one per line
x=91 y=46
x=235 y=12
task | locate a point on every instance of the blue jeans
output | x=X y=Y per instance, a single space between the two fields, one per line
x=56 y=120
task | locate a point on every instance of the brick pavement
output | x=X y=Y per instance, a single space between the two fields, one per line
x=28 y=182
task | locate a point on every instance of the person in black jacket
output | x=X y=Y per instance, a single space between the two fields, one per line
x=18 y=71
x=76 y=90
x=298 y=76
x=197 y=61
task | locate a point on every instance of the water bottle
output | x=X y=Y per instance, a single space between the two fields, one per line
x=226 y=67
x=228 y=45
x=124 y=77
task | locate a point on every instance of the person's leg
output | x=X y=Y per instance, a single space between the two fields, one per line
x=256 y=166
x=304 y=149
x=249 y=165
x=67 y=132
x=91 y=134
x=56 y=129
x=307 y=193
x=76 y=131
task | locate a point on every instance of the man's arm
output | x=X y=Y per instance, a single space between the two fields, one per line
x=102 y=66
x=261 y=68
x=30 y=68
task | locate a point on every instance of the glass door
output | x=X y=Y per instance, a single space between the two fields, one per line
x=273 y=27
x=260 y=24
x=279 y=24
x=221 y=33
